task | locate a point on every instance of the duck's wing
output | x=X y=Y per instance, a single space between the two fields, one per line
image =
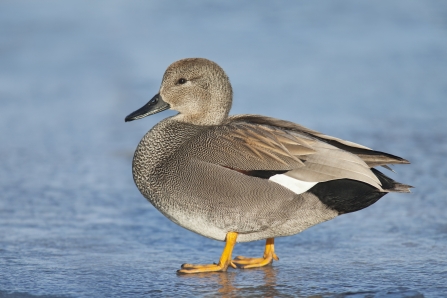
x=371 y=157
x=249 y=147
x=250 y=144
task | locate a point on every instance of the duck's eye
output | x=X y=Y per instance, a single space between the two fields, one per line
x=182 y=81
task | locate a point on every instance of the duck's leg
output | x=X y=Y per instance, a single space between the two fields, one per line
x=269 y=256
x=225 y=259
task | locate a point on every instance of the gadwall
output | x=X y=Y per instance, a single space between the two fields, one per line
x=246 y=177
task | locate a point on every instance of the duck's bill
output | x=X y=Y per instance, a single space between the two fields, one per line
x=155 y=105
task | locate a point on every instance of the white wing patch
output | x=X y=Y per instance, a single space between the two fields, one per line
x=295 y=185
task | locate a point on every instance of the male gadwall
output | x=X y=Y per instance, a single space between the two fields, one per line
x=246 y=177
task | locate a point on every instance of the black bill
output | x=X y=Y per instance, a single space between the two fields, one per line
x=155 y=105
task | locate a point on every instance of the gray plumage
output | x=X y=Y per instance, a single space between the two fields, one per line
x=196 y=167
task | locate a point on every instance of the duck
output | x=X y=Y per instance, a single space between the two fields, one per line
x=246 y=177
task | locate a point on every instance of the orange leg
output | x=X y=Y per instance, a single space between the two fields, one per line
x=225 y=259
x=269 y=256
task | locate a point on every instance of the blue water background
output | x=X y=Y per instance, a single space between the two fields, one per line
x=72 y=223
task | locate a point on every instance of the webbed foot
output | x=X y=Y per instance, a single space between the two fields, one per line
x=269 y=256
x=224 y=262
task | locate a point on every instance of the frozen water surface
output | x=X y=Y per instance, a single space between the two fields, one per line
x=72 y=223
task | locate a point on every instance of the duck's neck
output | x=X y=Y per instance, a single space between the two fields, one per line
x=202 y=119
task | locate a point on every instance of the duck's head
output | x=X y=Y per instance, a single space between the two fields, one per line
x=197 y=88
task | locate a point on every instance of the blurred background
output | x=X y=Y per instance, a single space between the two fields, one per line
x=72 y=222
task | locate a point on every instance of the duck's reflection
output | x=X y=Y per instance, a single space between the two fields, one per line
x=259 y=282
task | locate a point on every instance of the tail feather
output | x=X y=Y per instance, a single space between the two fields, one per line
x=389 y=185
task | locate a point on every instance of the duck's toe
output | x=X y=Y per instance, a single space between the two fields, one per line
x=245 y=263
x=199 y=268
